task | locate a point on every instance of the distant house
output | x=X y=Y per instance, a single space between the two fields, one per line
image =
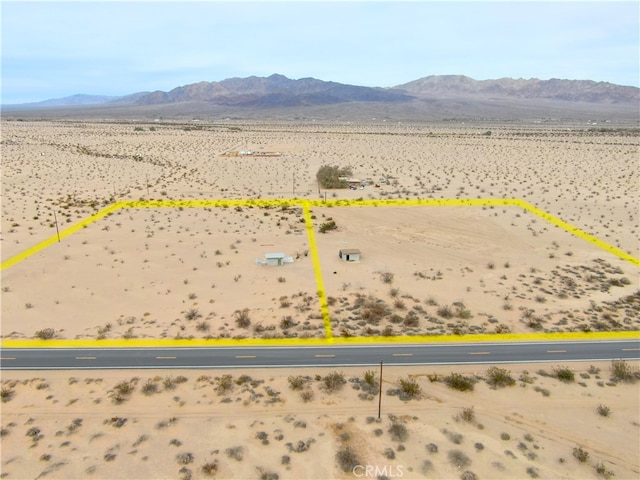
x=350 y=254
x=274 y=259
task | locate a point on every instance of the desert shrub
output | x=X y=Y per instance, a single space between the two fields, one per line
x=347 y=458
x=224 y=383
x=327 y=226
x=374 y=310
x=242 y=318
x=328 y=176
x=297 y=383
x=6 y=394
x=210 y=468
x=533 y=472
x=468 y=475
x=454 y=437
x=409 y=388
x=267 y=474
x=581 y=454
x=564 y=373
x=46 y=334
x=426 y=467
x=184 y=458
x=622 y=371
x=116 y=422
x=458 y=459
x=235 y=453
x=370 y=378
x=468 y=415
x=499 y=377
x=306 y=395
x=386 y=277
x=457 y=381
x=545 y=392
x=286 y=322
x=149 y=387
x=604 y=410
x=398 y=432
x=411 y=320
x=505 y=436
x=192 y=314
x=445 y=311
x=603 y=471
x=334 y=381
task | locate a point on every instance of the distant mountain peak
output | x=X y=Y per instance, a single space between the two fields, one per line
x=532 y=88
x=275 y=90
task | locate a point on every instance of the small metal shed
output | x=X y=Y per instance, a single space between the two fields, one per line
x=274 y=259
x=350 y=254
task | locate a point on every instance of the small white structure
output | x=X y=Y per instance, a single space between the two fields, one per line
x=274 y=259
x=350 y=254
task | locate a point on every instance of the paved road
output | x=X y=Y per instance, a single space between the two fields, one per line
x=313 y=356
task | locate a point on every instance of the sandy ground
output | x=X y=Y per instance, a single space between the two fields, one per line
x=180 y=273
x=69 y=425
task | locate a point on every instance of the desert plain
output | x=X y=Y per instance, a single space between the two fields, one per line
x=191 y=272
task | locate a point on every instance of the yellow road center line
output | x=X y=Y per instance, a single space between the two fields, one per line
x=479 y=353
x=324 y=356
x=165 y=358
x=85 y=358
x=556 y=351
x=245 y=356
x=403 y=354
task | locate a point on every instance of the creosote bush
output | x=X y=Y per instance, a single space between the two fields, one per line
x=410 y=388
x=347 y=458
x=622 y=371
x=6 y=394
x=224 y=383
x=564 y=373
x=458 y=459
x=398 y=432
x=499 y=377
x=334 y=381
x=327 y=226
x=210 y=468
x=457 y=381
x=242 y=318
x=581 y=454
x=46 y=334
x=297 y=382
x=149 y=387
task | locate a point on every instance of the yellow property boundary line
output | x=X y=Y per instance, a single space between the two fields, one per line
x=324 y=309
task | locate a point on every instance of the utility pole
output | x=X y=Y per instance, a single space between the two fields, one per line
x=380 y=392
x=56 y=220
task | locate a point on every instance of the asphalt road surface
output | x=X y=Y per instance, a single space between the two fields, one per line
x=317 y=356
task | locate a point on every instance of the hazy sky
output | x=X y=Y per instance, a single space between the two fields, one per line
x=54 y=49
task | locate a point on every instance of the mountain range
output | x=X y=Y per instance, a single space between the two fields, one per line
x=442 y=94
x=280 y=91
